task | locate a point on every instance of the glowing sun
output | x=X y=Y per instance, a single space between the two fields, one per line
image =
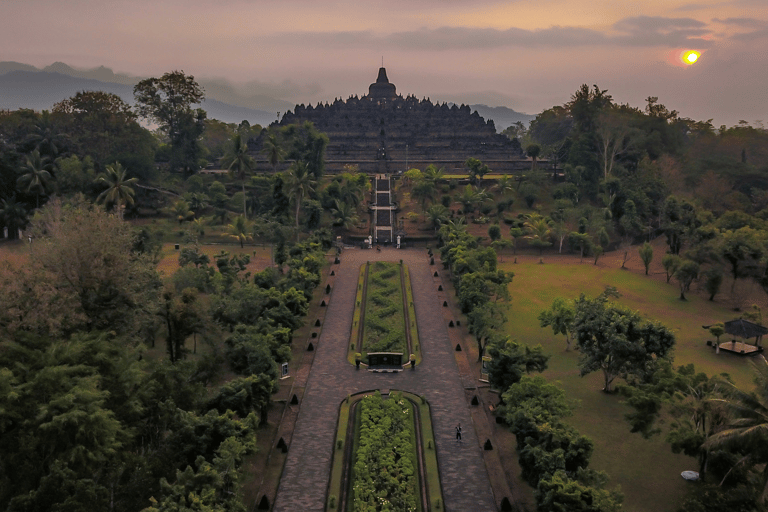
x=690 y=57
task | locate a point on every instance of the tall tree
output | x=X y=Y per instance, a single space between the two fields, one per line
x=239 y=162
x=168 y=101
x=13 y=216
x=306 y=144
x=299 y=183
x=560 y=317
x=36 y=178
x=747 y=432
x=119 y=191
x=617 y=341
x=273 y=150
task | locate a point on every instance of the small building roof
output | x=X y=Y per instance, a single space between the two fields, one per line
x=744 y=328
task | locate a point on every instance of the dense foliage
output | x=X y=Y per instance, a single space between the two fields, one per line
x=384 y=328
x=384 y=474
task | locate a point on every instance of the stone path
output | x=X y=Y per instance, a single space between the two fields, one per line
x=304 y=482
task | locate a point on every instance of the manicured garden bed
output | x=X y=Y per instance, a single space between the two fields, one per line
x=384 y=455
x=384 y=319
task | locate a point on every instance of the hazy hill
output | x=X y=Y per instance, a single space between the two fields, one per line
x=25 y=86
x=40 y=90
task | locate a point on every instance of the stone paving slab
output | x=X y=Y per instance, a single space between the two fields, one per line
x=303 y=486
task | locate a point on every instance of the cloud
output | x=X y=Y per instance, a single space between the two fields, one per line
x=661 y=31
x=640 y=31
x=742 y=22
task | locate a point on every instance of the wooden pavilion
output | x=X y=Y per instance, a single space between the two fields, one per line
x=745 y=330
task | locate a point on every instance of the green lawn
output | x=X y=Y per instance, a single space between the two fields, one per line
x=648 y=472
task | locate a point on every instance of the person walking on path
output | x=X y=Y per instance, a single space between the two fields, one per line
x=458 y=433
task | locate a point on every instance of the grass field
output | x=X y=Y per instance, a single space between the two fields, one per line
x=647 y=470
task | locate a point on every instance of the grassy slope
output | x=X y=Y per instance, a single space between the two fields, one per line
x=648 y=472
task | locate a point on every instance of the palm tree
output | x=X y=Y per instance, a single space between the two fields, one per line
x=37 y=177
x=45 y=137
x=748 y=431
x=273 y=150
x=299 y=183
x=539 y=231
x=433 y=174
x=533 y=151
x=239 y=162
x=240 y=229
x=468 y=199
x=423 y=191
x=181 y=211
x=505 y=185
x=437 y=215
x=343 y=214
x=119 y=189
x=13 y=215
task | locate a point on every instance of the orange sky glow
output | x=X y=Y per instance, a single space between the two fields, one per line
x=527 y=55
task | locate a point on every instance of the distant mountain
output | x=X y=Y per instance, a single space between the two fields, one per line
x=25 y=86
x=40 y=90
x=503 y=117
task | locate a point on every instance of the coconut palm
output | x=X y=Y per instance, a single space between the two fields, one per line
x=45 y=137
x=539 y=231
x=239 y=163
x=275 y=153
x=240 y=229
x=181 y=211
x=468 y=199
x=37 y=176
x=437 y=215
x=433 y=174
x=13 y=215
x=423 y=191
x=343 y=214
x=119 y=191
x=505 y=185
x=747 y=432
x=299 y=183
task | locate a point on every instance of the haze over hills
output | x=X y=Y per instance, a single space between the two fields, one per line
x=26 y=86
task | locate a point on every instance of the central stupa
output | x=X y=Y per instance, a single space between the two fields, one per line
x=385 y=132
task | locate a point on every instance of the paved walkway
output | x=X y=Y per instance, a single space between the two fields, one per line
x=305 y=477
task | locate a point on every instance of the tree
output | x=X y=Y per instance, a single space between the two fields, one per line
x=510 y=360
x=485 y=324
x=742 y=249
x=168 y=101
x=239 y=162
x=119 y=191
x=477 y=169
x=646 y=255
x=616 y=341
x=717 y=330
x=494 y=232
x=685 y=274
x=240 y=229
x=539 y=230
x=560 y=317
x=308 y=145
x=273 y=150
x=505 y=185
x=423 y=191
x=344 y=214
x=36 y=178
x=300 y=183
x=84 y=274
x=533 y=151
x=581 y=240
x=181 y=211
x=670 y=262
x=747 y=431
x=13 y=215
x=437 y=215
x=183 y=314
x=713 y=279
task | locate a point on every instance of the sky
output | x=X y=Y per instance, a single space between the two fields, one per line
x=528 y=55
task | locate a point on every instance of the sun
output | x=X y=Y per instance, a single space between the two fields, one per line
x=690 y=57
